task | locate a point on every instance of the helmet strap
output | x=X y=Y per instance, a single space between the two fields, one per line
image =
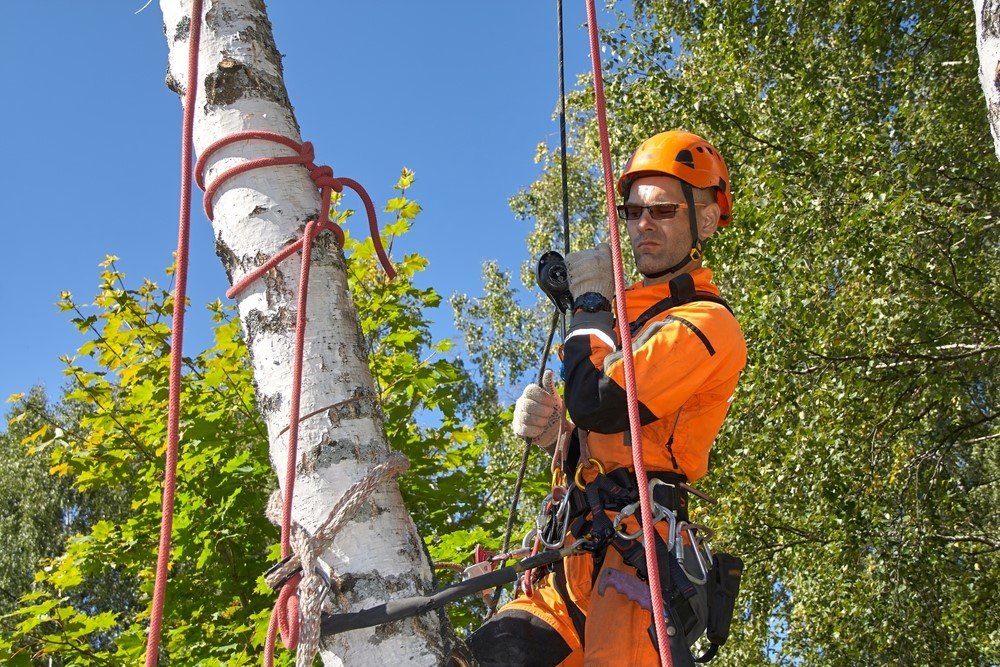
x=697 y=248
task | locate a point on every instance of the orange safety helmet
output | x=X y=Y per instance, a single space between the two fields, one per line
x=687 y=157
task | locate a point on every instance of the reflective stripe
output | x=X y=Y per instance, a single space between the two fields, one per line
x=604 y=337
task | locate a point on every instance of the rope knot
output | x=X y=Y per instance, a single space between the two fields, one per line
x=322 y=176
x=299 y=606
x=307 y=154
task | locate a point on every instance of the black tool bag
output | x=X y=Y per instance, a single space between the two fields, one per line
x=723 y=587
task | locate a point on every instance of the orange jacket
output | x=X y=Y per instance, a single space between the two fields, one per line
x=687 y=361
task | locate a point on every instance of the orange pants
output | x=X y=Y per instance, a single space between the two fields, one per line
x=541 y=630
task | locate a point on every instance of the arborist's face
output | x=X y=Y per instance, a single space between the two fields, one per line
x=658 y=244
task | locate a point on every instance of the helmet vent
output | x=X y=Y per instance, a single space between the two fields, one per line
x=685 y=158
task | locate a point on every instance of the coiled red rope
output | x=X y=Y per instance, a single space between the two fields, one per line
x=286 y=610
x=635 y=429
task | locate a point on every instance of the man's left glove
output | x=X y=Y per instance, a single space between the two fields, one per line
x=590 y=271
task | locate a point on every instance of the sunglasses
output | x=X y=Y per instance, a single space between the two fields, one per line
x=656 y=211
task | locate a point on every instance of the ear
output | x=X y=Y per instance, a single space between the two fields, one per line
x=708 y=220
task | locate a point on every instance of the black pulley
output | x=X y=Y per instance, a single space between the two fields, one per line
x=554 y=280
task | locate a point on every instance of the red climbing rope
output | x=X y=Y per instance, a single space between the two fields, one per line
x=642 y=481
x=286 y=611
x=322 y=176
x=176 y=346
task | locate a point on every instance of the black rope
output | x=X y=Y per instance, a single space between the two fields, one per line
x=512 y=515
x=562 y=129
x=557 y=315
x=395 y=610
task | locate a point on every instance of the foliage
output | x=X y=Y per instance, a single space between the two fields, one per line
x=112 y=441
x=118 y=386
x=32 y=503
x=858 y=465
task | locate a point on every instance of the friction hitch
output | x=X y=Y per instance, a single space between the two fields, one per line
x=553 y=279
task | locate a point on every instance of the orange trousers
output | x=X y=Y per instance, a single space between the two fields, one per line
x=615 y=625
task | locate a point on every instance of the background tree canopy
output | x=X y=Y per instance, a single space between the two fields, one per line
x=858 y=469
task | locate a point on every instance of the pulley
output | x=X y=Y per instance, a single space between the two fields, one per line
x=553 y=279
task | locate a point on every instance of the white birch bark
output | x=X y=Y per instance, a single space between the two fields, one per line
x=379 y=555
x=988 y=45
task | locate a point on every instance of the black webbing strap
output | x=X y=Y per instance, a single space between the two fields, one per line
x=682 y=291
x=575 y=614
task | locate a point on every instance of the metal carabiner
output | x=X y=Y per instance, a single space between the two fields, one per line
x=659 y=514
x=578 y=476
x=623 y=514
x=543 y=513
x=526 y=541
x=561 y=513
x=696 y=542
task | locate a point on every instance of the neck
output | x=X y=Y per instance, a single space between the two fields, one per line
x=667 y=277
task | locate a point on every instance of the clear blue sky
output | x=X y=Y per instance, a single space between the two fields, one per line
x=459 y=91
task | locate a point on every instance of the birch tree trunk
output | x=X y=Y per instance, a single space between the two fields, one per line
x=988 y=45
x=379 y=555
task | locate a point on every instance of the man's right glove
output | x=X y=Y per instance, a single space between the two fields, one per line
x=591 y=271
x=539 y=413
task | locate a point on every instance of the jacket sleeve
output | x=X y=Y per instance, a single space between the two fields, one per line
x=674 y=358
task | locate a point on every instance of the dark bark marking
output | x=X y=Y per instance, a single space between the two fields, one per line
x=226 y=256
x=991 y=18
x=183 y=29
x=268 y=403
x=172 y=83
x=258 y=322
x=233 y=81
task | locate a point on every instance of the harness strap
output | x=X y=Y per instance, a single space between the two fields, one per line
x=682 y=291
x=575 y=613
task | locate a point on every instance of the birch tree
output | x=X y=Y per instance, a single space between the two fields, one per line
x=988 y=44
x=379 y=555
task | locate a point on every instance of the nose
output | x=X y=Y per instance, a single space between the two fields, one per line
x=645 y=220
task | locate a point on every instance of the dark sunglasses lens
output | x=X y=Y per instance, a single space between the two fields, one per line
x=662 y=211
x=630 y=212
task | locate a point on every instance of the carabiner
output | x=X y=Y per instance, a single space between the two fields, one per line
x=578 y=477
x=696 y=547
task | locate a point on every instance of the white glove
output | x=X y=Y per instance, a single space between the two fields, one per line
x=590 y=271
x=539 y=413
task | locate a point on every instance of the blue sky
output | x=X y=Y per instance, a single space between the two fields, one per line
x=460 y=92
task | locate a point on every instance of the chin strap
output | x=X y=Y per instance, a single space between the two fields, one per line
x=696 y=245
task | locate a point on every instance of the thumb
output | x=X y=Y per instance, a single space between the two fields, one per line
x=549 y=381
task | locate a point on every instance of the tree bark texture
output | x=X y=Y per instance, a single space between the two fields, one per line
x=988 y=44
x=379 y=555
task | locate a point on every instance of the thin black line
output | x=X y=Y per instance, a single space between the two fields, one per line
x=696 y=330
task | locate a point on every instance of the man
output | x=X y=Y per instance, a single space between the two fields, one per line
x=688 y=351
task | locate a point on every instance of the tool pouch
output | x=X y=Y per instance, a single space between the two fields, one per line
x=723 y=587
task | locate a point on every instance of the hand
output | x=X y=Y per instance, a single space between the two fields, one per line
x=539 y=413
x=590 y=271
